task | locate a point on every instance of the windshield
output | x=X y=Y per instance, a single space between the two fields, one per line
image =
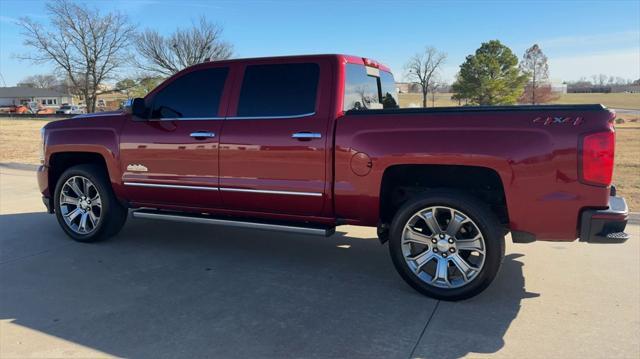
x=368 y=89
x=65 y=107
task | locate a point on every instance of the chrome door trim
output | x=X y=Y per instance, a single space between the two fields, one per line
x=203 y=134
x=229 y=118
x=226 y=189
x=187 y=119
x=270 y=117
x=264 y=191
x=174 y=186
x=306 y=135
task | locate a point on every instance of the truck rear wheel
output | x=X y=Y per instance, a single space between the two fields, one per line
x=85 y=206
x=446 y=245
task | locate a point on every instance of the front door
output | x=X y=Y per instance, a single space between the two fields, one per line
x=273 y=149
x=171 y=157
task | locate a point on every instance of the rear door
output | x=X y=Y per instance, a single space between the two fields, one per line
x=171 y=158
x=273 y=149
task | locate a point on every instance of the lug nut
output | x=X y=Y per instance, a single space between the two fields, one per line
x=452 y=250
x=434 y=241
x=435 y=250
x=444 y=255
x=441 y=236
x=450 y=240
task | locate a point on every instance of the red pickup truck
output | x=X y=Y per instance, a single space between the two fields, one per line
x=306 y=143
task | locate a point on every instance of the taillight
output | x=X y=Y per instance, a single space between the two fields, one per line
x=597 y=158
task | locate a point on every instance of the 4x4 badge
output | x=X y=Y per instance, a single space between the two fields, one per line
x=558 y=120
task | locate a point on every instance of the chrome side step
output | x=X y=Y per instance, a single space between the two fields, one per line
x=240 y=223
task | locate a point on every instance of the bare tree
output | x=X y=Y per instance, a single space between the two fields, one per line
x=434 y=87
x=167 y=55
x=40 y=81
x=534 y=64
x=422 y=69
x=542 y=93
x=84 y=44
x=602 y=79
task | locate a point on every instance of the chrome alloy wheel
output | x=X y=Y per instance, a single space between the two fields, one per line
x=443 y=247
x=80 y=205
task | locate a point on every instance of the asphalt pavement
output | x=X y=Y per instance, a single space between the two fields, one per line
x=169 y=290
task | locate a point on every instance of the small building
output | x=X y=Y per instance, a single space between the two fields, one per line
x=626 y=88
x=16 y=96
x=110 y=101
x=407 y=87
x=558 y=87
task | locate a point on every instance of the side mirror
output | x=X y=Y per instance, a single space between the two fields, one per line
x=136 y=107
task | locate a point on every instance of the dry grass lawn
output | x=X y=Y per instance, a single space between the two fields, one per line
x=20 y=143
x=415 y=100
x=611 y=100
x=20 y=140
x=626 y=175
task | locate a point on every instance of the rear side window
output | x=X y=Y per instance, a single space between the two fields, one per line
x=193 y=95
x=279 y=90
x=368 y=91
x=388 y=90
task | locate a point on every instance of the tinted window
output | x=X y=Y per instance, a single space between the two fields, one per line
x=196 y=94
x=368 y=92
x=279 y=90
x=388 y=90
x=361 y=90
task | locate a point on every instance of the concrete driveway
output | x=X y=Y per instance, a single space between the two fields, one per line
x=167 y=290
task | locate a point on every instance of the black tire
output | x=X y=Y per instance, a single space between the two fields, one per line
x=113 y=214
x=479 y=213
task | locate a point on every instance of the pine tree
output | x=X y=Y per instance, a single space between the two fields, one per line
x=490 y=76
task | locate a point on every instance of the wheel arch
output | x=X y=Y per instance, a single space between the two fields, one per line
x=401 y=182
x=66 y=147
x=61 y=161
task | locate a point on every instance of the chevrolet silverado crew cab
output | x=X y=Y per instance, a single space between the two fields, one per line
x=306 y=143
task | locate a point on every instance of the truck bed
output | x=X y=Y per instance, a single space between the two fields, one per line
x=515 y=108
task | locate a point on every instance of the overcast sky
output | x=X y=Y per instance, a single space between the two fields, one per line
x=581 y=38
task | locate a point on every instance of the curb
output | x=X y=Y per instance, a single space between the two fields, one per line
x=634 y=218
x=18 y=166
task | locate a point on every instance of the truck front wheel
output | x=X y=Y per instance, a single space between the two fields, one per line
x=446 y=245
x=85 y=206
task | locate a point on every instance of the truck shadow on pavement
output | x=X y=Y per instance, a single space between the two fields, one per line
x=181 y=290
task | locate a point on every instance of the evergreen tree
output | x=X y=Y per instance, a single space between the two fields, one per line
x=490 y=76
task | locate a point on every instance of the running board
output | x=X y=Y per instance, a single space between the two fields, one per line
x=240 y=223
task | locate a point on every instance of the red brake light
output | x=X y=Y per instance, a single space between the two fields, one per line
x=597 y=158
x=370 y=63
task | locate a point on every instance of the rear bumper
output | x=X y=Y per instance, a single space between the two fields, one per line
x=605 y=225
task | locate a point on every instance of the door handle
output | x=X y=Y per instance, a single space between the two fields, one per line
x=200 y=135
x=305 y=136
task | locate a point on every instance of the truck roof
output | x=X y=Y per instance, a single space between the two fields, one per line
x=340 y=57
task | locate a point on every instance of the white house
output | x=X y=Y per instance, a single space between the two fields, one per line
x=23 y=95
